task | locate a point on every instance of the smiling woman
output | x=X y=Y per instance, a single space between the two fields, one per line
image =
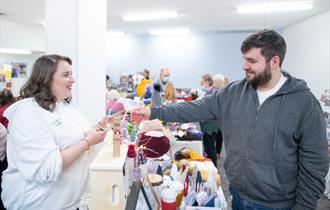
x=46 y=154
x=49 y=81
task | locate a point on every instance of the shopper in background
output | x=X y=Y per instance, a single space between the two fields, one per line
x=273 y=130
x=209 y=128
x=47 y=142
x=169 y=90
x=6 y=99
x=146 y=74
x=219 y=81
x=3 y=159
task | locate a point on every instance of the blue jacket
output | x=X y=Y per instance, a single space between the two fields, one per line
x=277 y=152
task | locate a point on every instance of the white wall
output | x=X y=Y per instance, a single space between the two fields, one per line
x=28 y=37
x=308 y=52
x=20 y=36
x=187 y=56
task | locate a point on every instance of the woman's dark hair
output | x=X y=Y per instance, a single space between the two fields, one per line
x=6 y=97
x=39 y=83
x=269 y=41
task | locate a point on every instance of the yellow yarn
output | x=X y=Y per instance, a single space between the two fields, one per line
x=141 y=87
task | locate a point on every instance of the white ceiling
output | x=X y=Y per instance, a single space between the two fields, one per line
x=198 y=15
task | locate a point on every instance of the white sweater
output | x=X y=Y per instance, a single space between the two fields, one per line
x=35 y=178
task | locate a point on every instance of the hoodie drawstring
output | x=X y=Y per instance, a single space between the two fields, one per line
x=277 y=121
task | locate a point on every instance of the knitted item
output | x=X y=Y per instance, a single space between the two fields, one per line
x=154 y=144
x=131 y=153
x=114 y=106
x=141 y=158
x=151 y=125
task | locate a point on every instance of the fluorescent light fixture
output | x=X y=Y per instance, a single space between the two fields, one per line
x=116 y=34
x=274 y=7
x=14 y=51
x=170 y=31
x=151 y=16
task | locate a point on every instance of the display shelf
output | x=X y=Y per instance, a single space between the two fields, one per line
x=108 y=177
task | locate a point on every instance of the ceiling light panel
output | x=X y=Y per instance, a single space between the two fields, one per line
x=151 y=16
x=274 y=7
x=170 y=31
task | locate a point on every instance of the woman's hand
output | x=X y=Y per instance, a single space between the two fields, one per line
x=95 y=136
x=107 y=122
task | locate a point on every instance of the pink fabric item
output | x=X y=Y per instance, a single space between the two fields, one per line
x=151 y=125
x=115 y=106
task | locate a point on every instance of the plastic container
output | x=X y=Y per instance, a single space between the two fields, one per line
x=178 y=187
x=169 y=199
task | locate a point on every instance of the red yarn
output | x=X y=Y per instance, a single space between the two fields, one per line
x=131 y=153
x=156 y=144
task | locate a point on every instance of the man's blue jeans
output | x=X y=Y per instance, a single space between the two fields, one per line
x=239 y=203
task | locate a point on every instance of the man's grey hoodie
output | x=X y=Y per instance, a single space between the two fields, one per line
x=276 y=152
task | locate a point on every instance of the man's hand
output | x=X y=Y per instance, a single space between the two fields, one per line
x=143 y=112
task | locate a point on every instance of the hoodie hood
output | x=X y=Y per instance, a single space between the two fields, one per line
x=292 y=85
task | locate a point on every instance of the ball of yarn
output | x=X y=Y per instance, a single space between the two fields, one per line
x=131 y=153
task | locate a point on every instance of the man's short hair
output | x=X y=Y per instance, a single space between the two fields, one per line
x=269 y=41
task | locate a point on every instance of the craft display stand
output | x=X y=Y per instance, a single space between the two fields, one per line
x=108 y=177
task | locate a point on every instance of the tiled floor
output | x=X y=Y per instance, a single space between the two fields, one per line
x=323 y=204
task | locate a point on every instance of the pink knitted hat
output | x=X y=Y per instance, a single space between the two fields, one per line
x=114 y=107
x=151 y=125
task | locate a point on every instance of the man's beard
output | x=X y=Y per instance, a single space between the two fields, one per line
x=261 y=78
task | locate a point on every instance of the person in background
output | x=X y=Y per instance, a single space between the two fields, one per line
x=156 y=98
x=48 y=142
x=114 y=104
x=146 y=74
x=273 y=129
x=209 y=128
x=194 y=94
x=108 y=82
x=3 y=159
x=169 y=90
x=6 y=99
x=219 y=81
